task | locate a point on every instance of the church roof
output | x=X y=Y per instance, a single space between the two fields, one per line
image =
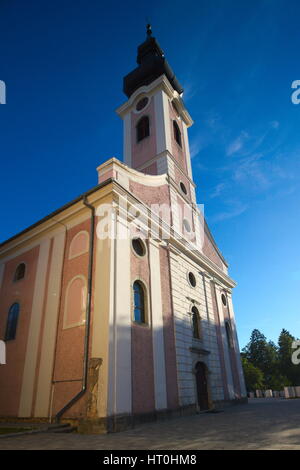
x=151 y=65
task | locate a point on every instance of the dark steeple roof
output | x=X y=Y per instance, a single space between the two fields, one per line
x=151 y=65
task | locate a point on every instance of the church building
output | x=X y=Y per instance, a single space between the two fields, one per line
x=117 y=307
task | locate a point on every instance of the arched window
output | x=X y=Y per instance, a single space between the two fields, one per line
x=12 y=322
x=142 y=128
x=20 y=272
x=139 y=302
x=196 y=323
x=229 y=334
x=75 y=303
x=177 y=133
x=79 y=244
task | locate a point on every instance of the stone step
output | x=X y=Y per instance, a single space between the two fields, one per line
x=62 y=428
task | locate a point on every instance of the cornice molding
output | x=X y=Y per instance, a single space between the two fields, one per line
x=163 y=83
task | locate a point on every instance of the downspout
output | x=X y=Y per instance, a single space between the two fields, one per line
x=88 y=315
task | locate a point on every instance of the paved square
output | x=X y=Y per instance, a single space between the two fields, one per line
x=262 y=424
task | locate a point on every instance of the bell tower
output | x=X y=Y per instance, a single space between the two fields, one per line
x=156 y=120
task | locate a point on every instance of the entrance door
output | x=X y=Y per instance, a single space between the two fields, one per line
x=201 y=381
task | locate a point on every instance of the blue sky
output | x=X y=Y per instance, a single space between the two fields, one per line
x=63 y=63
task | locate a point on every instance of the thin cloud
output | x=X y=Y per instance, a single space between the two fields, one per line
x=196 y=145
x=250 y=170
x=218 y=190
x=235 y=209
x=237 y=144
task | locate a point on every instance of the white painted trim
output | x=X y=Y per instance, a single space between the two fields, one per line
x=111 y=321
x=43 y=394
x=134 y=175
x=120 y=386
x=135 y=111
x=236 y=346
x=160 y=83
x=166 y=109
x=127 y=139
x=187 y=151
x=162 y=122
x=159 y=122
x=225 y=344
x=157 y=329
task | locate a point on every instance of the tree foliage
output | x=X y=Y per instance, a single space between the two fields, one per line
x=254 y=377
x=268 y=366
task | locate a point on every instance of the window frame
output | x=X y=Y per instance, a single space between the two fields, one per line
x=183 y=188
x=196 y=314
x=177 y=133
x=145 y=321
x=144 y=246
x=16 y=321
x=188 y=278
x=16 y=271
x=224 y=299
x=143 y=118
x=229 y=336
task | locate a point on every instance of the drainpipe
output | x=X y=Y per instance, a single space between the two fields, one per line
x=88 y=315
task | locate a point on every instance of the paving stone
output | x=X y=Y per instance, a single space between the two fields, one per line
x=262 y=424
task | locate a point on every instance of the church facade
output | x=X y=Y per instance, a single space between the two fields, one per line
x=117 y=307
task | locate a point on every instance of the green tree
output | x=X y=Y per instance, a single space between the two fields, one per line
x=262 y=354
x=254 y=378
x=274 y=362
x=286 y=367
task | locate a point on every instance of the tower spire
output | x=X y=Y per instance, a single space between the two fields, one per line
x=149 y=30
x=151 y=65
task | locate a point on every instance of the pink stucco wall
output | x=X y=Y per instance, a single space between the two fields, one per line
x=151 y=169
x=210 y=251
x=177 y=151
x=143 y=398
x=22 y=291
x=149 y=194
x=70 y=341
x=180 y=177
x=144 y=150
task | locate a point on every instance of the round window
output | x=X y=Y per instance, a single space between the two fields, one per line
x=223 y=296
x=142 y=103
x=138 y=247
x=183 y=188
x=192 y=279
